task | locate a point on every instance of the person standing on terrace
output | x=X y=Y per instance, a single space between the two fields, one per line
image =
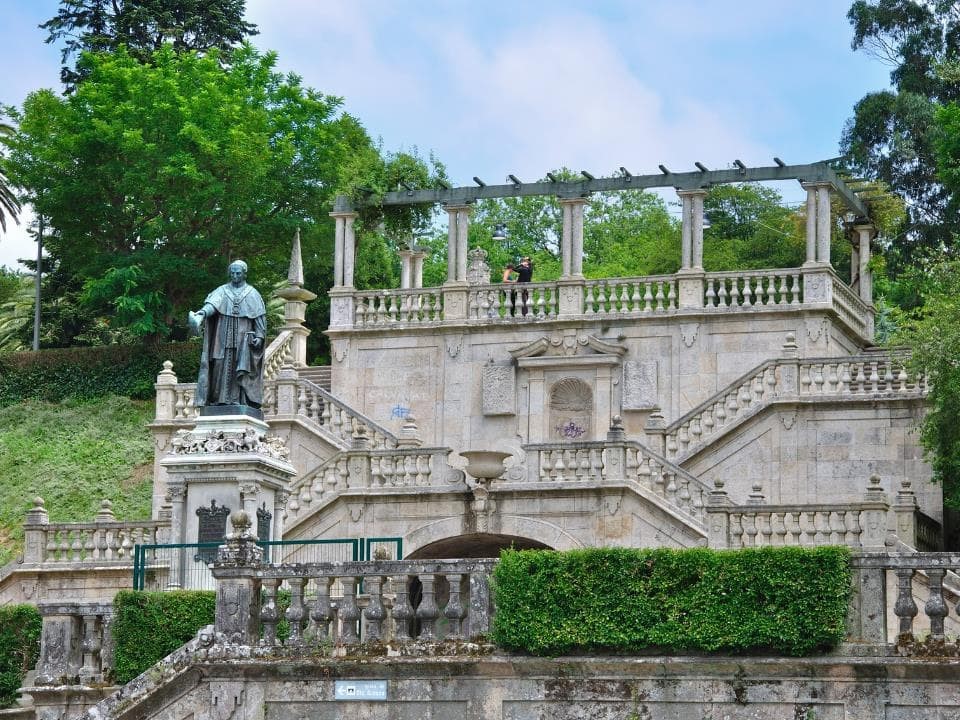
x=524 y=275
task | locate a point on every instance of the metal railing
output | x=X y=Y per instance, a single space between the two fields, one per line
x=187 y=565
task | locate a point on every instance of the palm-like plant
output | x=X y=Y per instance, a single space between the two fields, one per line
x=9 y=205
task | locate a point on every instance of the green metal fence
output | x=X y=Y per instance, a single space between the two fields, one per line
x=186 y=565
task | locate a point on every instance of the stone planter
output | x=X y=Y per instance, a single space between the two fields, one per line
x=485 y=464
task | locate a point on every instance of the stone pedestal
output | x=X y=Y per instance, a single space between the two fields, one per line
x=226 y=463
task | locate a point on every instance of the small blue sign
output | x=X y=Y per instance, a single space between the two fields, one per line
x=360 y=690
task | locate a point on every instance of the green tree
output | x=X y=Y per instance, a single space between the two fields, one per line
x=143 y=27
x=933 y=334
x=152 y=176
x=892 y=134
x=9 y=204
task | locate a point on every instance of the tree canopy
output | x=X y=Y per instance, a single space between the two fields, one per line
x=152 y=176
x=143 y=27
x=892 y=135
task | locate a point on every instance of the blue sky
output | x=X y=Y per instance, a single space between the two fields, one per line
x=526 y=86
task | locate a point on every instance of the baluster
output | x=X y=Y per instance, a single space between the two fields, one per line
x=732 y=406
x=541 y=312
x=348 y=611
x=89 y=544
x=683 y=437
x=454 y=611
x=402 y=610
x=670 y=490
x=719 y=411
x=296 y=613
x=602 y=298
x=672 y=296
x=583 y=467
x=771 y=292
x=683 y=495
x=902 y=377
x=644 y=476
x=722 y=292
x=656 y=475
x=832 y=377
x=427 y=612
x=791 y=523
x=757 y=388
x=861 y=378
x=596 y=464
x=888 y=375
x=818 y=378
x=747 y=293
x=624 y=298
x=180 y=406
x=695 y=431
x=935 y=607
x=76 y=546
x=822 y=526
x=268 y=613
x=671 y=445
x=808 y=528
x=635 y=297
x=750 y=530
x=766 y=529
x=301 y=399
x=778 y=529
x=736 y=530
x=770 y=378
x=905 y=608
x=874 y=378
x=758 y=290
x=648 y=297
x=735 y=292
x=708 y=421
x=374 y=612
x=710 y=295
x=852 y=526
x=838 y=529
x=588 y=301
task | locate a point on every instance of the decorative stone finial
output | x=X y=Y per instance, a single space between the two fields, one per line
x=38 y=503
x=656 y=421
x=790 y=347
x=295 y=271
x=874 y=490
x=167 y=376
x=241 y=524
x=756 y=495
x=241 y=546
x=616 y=433
x=37 y=515
x=409 y=433
x=105 y=513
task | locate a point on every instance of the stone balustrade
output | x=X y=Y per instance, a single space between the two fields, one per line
x=630 y=295
x=278 y=354
x=102 y=541
x=529 y=300
x=372 y=469
x=867 y=621
x=290 y=396
x=748 y=289
x=616 y=459
x=786 y=289
x=344 y=603
x=871 y=375
x=378 y=308
x=75 y=643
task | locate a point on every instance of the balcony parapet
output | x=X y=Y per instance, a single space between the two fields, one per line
x=686 y=292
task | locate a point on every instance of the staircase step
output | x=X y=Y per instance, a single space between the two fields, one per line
x=319 y=375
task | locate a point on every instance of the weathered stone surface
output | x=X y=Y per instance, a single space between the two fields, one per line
x=640 y=384
x=499 y=390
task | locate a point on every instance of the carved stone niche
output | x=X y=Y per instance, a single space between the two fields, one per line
x=572 y=382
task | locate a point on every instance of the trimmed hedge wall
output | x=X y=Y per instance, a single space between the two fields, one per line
x=20 y=627
x=148 y=626
x=89 y=372
x=783 y=600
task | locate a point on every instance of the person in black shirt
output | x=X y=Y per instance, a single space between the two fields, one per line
x=524 y=275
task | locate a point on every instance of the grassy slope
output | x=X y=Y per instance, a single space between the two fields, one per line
x=73 y=454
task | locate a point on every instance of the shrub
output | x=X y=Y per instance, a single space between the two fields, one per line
x=782 y=600
x=148 y=626
x=19 y=647
x=91 y=372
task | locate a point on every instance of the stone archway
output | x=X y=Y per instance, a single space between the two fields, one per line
x=478 y=545
x=571 y=410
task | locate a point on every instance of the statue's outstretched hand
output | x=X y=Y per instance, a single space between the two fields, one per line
x=256 y=342
x=195 y=320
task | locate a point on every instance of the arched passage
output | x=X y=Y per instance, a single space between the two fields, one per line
x=479 y=545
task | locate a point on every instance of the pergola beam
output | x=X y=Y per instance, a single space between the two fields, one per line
x=811 y=173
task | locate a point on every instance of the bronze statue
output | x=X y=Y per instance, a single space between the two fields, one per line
x=234 y=323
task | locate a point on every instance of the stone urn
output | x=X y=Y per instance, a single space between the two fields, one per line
x=485 y=465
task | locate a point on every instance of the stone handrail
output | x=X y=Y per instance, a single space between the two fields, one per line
x=616 y=460
x=371 y=470
x=634 y=295
x=376 y=308
x=104 y=540
x=278 y=353
x=513 y=300
x=858 y=376
x=752 y=288
x=291 y=395
x=327 y=609
x=867 y=618
x=848 y=305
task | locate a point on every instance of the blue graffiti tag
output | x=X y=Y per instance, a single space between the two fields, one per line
x=399 y=411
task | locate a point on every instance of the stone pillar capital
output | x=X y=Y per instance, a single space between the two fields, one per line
x=694 y=192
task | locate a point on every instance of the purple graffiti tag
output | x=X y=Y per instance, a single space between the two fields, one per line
x=571 y=430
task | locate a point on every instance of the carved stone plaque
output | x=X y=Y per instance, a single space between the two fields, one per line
x=499 y=390
x=211 y=528
x=639 y=384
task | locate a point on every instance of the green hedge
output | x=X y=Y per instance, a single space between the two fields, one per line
x=148 y=626
x=782 y=600
x=19 y=647
x=90 y=372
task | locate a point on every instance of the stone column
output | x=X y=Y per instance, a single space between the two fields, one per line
x=865 y=234
x=463 y=226
x=35 y=532
x=339 y=223
x=565 y=238
x=873 y=516
x=452 y=244
x=249 y=497
x=811 y=223
x=823 y=223
x=280 y=499
x=690 y=280
x=455 y=305
x=349 y=249
x=178 y=501
x=406 y=257
x=166 y=387
x=417 y=258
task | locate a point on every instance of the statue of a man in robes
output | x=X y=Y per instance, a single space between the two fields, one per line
x=234 y=324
